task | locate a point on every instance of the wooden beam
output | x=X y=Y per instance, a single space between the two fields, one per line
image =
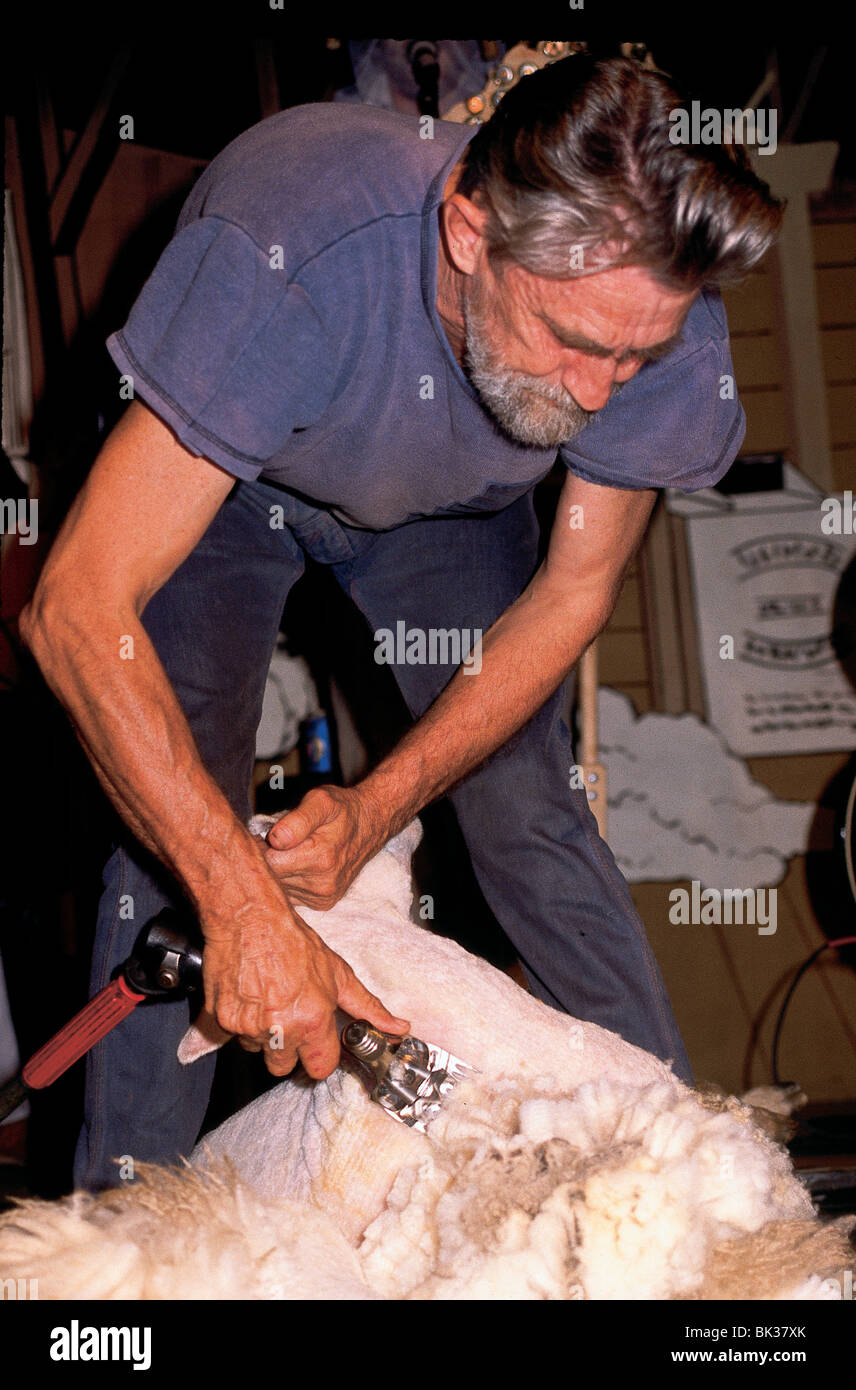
x=662 y=616
x=15 y=182
x=689 y=637
x=594 y=773
x=64 y=210
x=37 y=258
x=52 y=151
x=793 y=172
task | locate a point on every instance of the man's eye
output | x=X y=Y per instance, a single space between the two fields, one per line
x=585 y=352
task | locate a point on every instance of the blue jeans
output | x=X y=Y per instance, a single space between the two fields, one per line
x=546 y=874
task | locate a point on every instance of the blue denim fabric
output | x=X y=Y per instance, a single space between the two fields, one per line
x=548 y=877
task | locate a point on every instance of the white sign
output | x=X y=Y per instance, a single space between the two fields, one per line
x=766 y=570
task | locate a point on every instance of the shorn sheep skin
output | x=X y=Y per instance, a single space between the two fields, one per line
x=574 y=1166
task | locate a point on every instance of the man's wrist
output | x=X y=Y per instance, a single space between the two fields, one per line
x=230 y=880
x=375 y=815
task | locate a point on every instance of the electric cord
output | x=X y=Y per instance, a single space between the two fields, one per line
x=806 y=965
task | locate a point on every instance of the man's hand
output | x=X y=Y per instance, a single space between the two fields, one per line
x=317 y=850
x=272 y=981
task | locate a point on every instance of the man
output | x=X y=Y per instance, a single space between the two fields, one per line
x=385 y=339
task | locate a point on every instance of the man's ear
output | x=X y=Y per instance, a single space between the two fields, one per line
x=463 y=224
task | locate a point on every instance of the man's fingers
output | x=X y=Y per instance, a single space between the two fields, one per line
x=303 y=856
x=280 y=1061
x=320 y=1052
x=298 y=824
x=280 y=1055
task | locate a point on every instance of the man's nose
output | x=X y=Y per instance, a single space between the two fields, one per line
x=590 y=380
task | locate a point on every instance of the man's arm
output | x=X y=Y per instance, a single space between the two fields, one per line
x=146 y=503
x=317 y=848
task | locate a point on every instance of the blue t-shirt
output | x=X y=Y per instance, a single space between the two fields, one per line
x=290 y=331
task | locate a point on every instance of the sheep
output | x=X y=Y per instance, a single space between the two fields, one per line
x=571 y=1165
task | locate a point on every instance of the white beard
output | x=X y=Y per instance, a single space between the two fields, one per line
x=524 y=407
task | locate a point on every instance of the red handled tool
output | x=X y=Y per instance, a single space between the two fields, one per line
x=164 y=964
x=407 y=1077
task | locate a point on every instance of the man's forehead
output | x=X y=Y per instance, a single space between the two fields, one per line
x=615 y=309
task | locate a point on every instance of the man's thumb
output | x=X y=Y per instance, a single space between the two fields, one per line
x=294 y=827
x=356 y=1000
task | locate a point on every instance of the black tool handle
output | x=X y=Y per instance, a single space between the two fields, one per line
x=11 y=1096
x=165 y=964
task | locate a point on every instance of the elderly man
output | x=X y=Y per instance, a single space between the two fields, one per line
x=367 y=346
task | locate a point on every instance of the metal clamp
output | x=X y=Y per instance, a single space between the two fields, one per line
x=411 y=1077
x=166 y=962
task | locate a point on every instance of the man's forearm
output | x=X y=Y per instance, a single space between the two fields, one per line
x=134 y=731
x=146 y=504
x=524 y=657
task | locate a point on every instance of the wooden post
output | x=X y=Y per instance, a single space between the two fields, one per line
x=793 y=172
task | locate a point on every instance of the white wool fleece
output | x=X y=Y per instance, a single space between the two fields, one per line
x=573 y=1166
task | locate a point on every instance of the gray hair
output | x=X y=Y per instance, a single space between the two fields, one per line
x=577 y=158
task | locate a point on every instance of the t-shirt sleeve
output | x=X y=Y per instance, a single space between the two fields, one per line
x=677 y=423
x=229 y=354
